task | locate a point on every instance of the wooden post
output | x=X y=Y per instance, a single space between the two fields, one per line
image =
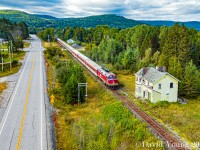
x=12 y=50
x=2 y=63
x=10 y=56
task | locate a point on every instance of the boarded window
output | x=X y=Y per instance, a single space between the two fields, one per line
x=171 y=85
x=159 y=86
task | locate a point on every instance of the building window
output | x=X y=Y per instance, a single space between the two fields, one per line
x=171 y=85
x=159 y=86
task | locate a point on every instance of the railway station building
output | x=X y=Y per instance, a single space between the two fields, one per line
x=156 y=84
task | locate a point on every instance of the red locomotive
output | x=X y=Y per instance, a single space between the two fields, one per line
x=105 y=75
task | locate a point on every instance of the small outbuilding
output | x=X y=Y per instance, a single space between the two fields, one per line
x=156 y=84
x=70 y=41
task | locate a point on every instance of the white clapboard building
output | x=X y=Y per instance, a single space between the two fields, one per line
x=156 y=85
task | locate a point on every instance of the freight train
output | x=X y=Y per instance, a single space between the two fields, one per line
x=107 y=77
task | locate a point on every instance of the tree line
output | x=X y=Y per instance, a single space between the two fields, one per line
x=176 y=47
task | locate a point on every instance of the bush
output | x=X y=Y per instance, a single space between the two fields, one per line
x=140 y=134
x=160 y=104
x=15 y=63
x=53 y=51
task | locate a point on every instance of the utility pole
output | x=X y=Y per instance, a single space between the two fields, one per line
x=48 y=39
x=9 y=55
x=1 y=48
x=11 y=49
x=79 y=94
x=2 y=63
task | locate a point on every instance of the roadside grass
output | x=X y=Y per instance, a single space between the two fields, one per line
x=18 y=56
x=183 y=118
x=47 y=44
x=27 y=44
x=101 y=123
x=3 y=86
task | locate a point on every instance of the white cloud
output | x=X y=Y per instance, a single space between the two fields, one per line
x=179 y=10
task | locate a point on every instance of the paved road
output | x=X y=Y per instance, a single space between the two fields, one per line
x=23 y=125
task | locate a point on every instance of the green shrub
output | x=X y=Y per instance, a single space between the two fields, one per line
x=53 y=51
x=140 y=133
x=15 y=63
x=160 y=104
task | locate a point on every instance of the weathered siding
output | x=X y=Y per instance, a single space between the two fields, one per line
x=143 y=89
x=167 y=93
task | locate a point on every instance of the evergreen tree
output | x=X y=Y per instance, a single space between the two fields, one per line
x=183 y=46
x=128 y=59
x=163 y=61
x=175 y=68
x=155 y=58
x=190 y=83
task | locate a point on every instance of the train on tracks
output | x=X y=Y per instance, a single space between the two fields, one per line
x=107 y=77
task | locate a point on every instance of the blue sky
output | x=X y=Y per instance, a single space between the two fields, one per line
x=179 y=10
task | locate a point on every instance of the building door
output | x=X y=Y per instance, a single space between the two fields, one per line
x=143 y=93
x=149 y=96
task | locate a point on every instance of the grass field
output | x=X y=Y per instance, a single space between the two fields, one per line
x=16 y=56
x=27 y=44
x=101 y=123
x=46 y=44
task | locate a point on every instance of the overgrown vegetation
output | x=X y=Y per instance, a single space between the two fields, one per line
x=100 y=123
x=3 y=86
x=68 y=76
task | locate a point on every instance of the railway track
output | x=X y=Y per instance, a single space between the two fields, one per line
x=171 y=142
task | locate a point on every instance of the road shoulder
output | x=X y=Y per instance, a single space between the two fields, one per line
x=11 y=83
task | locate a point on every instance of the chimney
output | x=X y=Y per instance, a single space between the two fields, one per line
x=161 y=68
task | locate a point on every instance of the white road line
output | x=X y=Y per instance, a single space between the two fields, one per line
x=13 y=95
x=42 y=98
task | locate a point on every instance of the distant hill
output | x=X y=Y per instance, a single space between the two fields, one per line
x=45 y=16
x=41 y=21
x=108 y=19
x=36 y=20
x=30 y=19
x=191 y=24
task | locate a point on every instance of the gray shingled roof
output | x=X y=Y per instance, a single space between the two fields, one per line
x=151 y=74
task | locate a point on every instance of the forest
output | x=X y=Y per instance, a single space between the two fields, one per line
x=176 y=47
x=14 y=31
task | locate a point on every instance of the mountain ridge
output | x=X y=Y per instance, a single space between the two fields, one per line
x=41 y=21
x=112 y=20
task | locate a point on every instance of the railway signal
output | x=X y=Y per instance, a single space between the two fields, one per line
x=79 y=86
